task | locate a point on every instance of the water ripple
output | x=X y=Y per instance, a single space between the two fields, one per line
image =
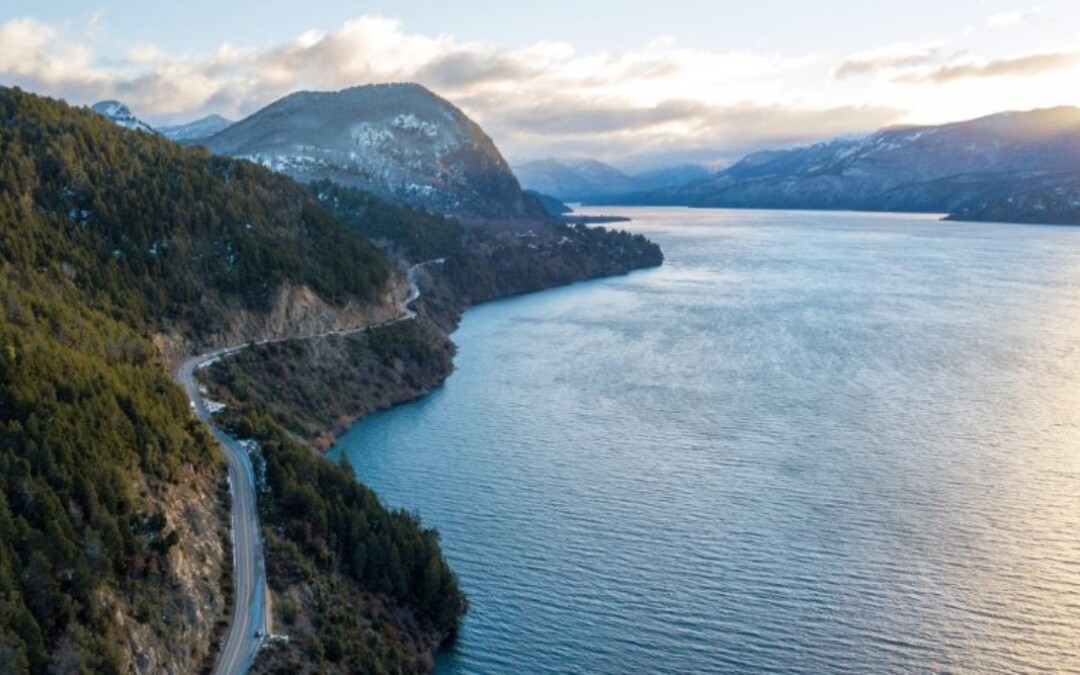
x=809 y=443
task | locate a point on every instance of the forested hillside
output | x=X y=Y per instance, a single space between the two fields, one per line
x=315 y=389
x=486 y=263
x=359 y=589
x=94 y=438
x=161 y=232
x=111 y=521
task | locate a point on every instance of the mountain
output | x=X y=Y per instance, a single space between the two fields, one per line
x=554 y=207
x=670 y=176
x=122 y=252
x=1054 y=202
x=120 y=114
x=397 y=140
x=586 y=179
x=196 y=131
x=946 y=168
x=574 y=179
x=114 y=517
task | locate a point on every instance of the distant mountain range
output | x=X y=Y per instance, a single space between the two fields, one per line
x=198 y=130
x=587 y=179
x=405 y=143
x=1014 y=166
x=399 y=141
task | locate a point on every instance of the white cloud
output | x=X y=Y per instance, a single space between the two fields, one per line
x=1009 y=19
x=145 y=53
x=1028 y=65
x=661 y=99
x=29 y=48
x=547 y=95
x=892 y=57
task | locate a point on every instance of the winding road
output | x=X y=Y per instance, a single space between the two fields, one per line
x=250 y=619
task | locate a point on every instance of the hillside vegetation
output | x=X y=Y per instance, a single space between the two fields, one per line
x=316 y=388
x=111 y=552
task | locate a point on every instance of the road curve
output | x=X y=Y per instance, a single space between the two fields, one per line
x=249 y=575
x=249 y=622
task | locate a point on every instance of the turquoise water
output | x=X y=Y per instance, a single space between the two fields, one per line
x=811 y=442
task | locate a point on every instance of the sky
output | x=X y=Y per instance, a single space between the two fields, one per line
x=633 y=82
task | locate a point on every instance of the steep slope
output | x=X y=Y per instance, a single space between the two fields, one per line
x=193 y=132
x=113 y=539
x=397 y=140
x=935 y=168
x=554 y=207
x=384 y=366
x=121 y=115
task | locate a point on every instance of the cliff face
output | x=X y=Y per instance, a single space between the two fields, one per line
x=398 y=140
x=192 y=594
x=294 y=310
x=114 y=546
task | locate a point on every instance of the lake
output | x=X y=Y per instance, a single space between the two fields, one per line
x=810 y=442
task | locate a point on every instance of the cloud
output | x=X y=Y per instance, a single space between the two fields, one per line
x=672 y=131
x=145 y=53
x=1023 y=66
x=36 y=51
x=658 y=99
x=888 y=58
x=1009 y=19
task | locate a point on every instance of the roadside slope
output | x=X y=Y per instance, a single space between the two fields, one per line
x=120 y=254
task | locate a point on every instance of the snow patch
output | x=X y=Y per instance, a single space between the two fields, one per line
x=410 y=122
x=371 y=135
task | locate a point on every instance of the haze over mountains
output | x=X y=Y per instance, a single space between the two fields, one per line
x=585 y=179
x=1016 y=166
x=196 y=131
x=405 y=143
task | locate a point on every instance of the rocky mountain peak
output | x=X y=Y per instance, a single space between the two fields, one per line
x=121 y=115
x=397 y=140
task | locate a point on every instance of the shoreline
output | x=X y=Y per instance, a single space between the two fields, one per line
x=424 y=393
x=312 y=390
x=435 y=323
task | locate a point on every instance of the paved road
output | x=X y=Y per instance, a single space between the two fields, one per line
x=249 y=575
x=249 y=619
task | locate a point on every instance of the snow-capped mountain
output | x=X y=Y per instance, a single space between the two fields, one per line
x=197 y=130
x=397 y=140
x=945 y=168
x=121 y=114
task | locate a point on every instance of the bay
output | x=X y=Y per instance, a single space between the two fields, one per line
x=810 y=442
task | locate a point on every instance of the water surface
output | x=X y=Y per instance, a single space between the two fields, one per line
x=809 y=442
